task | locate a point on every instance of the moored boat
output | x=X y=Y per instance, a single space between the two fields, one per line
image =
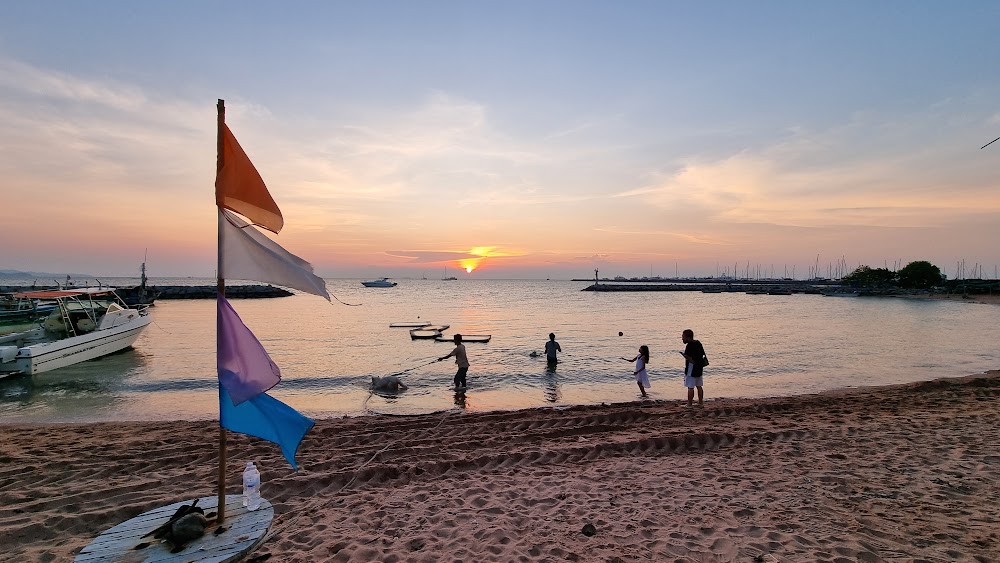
x=85 y=324
x=408 y=324
x=18 y=315
x=423 y=333
x=465 y=338
x=381 y=282
x=840 y=292
x=140 y=294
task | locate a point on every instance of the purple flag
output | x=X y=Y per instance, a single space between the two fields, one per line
x=245 y=369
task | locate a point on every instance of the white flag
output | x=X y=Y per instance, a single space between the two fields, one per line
x=249 y=255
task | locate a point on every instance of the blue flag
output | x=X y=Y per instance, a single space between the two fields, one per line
x=266 y=418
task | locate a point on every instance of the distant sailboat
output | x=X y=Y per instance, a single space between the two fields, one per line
x=446 y=278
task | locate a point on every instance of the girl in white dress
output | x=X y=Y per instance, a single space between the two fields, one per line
x=641 y=377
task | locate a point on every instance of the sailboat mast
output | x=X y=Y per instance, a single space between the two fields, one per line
x=220 y=162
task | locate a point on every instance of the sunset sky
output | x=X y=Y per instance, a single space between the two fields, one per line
x=524 y=139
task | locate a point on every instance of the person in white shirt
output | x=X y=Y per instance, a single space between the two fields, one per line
x=462 y=360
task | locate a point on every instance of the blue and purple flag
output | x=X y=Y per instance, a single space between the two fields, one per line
x=245 y=369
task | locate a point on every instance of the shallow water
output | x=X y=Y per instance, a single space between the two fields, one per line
x=759 y=345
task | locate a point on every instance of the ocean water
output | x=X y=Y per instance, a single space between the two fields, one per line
x=759 y=345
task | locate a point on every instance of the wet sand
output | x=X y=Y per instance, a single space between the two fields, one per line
x=902 y=473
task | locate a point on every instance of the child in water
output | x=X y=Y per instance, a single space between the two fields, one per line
x=641 y=377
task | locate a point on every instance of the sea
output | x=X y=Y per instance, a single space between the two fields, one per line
x=758 y=346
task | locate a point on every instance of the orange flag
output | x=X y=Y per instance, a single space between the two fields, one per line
x=239 y=187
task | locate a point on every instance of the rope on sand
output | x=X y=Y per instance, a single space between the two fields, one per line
x=310 y=507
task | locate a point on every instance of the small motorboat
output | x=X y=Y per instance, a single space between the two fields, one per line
x=85 y=324
x=423 y=333
x=381 y=282
x=465 y=338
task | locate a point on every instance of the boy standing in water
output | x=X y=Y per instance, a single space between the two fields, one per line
x=550 y=349
x=462 y=360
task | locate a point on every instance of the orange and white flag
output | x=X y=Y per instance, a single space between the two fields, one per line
x=239 y=187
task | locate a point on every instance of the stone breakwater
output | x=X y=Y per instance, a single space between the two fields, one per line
x=707 y=288
x=210 y=291
x=188 y=291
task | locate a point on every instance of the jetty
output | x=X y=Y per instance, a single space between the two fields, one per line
x=743 y=287
x=253 y=291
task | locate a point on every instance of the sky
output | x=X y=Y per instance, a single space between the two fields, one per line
x=520 y=139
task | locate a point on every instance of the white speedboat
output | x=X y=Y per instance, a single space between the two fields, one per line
x=87 y=323
x=381 y=282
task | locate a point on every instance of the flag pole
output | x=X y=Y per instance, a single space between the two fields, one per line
x=221 y=508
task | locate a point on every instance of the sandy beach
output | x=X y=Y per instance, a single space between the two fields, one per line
x=903 y=473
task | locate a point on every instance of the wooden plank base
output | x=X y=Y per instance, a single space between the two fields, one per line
x=245 y=530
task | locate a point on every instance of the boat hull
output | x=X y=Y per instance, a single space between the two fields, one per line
x=466 y=338
x=420 y=333
x=47 y=356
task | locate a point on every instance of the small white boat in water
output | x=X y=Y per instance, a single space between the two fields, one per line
x=381 y=282
x=86 y=323
x=840 y=293
x=424 y=333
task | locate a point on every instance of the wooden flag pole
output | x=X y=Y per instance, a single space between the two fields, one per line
x=221 y=508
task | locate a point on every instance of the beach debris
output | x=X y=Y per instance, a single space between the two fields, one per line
x=187 y=523
x=533 y=354
x=588 y=529
x=188 y=527
x=620 y=333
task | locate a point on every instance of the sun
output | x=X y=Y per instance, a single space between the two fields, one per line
x=469 y=264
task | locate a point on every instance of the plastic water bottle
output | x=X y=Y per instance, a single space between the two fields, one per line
x=251 y=487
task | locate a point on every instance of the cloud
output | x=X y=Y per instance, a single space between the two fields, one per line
x=868 y=172
x=687 y=237
x=27 y=81
x=429 y=256
x=477 y=252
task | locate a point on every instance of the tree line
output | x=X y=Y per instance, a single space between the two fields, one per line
x=915 y=275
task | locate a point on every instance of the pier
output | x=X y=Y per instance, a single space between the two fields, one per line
x=761 y=287
x=186 y=291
